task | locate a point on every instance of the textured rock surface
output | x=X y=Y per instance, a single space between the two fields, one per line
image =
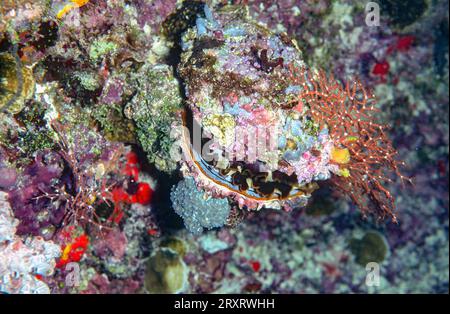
x=196 y=209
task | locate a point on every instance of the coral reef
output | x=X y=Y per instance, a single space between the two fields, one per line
x=203 y=146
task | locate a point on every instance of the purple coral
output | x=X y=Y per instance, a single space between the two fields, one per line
x=153 y=13
x=38 y=215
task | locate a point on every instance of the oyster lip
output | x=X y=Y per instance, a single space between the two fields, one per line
x=218 y=185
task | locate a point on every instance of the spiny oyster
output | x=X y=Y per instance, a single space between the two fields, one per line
x=240 y=139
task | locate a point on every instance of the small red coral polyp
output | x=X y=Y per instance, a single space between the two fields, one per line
x=144 y=192
x=143 y=195
x=73 y=252
x=132 y=166
x=119 y=195
x=132 y=159
x=78 y=248
x=256 y=266
x=405 y=42
x=402 y=44
x=381 y=68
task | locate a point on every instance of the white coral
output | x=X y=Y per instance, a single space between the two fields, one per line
x=21 y=261
x=7 y=222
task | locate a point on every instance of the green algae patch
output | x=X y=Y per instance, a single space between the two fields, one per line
x=372 y=247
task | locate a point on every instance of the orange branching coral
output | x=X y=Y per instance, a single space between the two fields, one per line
x=363 y=151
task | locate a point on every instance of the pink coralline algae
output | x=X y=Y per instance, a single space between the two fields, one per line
x=7 y=177
x=113 y=244
x=100 y=284
x=153 y=13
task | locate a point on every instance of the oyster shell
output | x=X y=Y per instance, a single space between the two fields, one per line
x=241 y=140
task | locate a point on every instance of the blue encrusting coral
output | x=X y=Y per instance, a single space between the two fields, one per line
x=197 y=212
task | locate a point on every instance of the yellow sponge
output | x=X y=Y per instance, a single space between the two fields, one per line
x=340 y=155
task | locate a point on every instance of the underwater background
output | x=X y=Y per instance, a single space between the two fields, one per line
x=91 y=200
